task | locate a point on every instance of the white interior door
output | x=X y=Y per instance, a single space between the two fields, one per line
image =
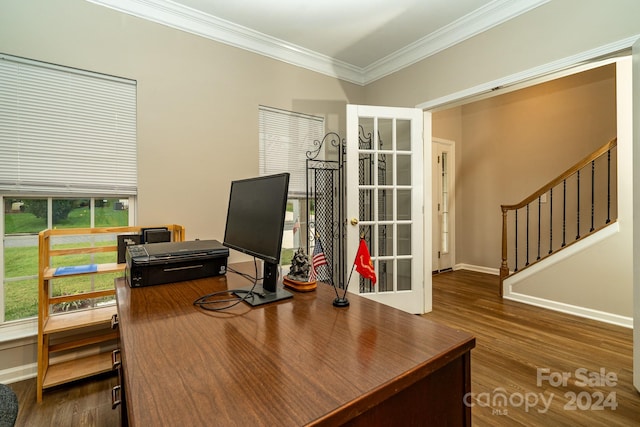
x=443 y=181
x=385 y=199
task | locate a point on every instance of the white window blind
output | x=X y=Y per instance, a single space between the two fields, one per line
x=285 y=139
x=65 y=131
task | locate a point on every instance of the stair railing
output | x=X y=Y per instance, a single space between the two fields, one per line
x=585 y=188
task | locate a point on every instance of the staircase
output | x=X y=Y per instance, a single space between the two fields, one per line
x=575 y=205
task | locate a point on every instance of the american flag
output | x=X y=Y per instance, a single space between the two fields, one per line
x=317 y=260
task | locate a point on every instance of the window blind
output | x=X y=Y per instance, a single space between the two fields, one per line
x=65 y=131
x=285 y=139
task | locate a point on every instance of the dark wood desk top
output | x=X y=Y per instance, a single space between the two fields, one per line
x=297 y=362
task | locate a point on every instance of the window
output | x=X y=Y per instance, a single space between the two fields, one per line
x=24 y=217
x=285 y=139
x=67 y=160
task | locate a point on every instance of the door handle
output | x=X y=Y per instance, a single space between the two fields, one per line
x=354 y=221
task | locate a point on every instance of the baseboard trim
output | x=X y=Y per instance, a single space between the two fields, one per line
x=478 y=268
x=19 y=373
x=588 y=313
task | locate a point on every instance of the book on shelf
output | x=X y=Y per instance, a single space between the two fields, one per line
x=76 y=269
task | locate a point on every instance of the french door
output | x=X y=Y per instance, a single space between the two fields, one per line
x=384 y=199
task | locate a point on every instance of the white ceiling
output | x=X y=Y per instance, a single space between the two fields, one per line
x=358 y=32
x=354 y=40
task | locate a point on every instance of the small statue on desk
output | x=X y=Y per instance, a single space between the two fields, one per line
x=299 y=269
x=298 y=277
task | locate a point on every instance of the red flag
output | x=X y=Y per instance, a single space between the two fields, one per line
x=317 y=260
x=363 y=262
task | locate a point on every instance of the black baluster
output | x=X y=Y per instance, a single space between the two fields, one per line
x=539 y=211
x=527 y=240
x=578 y=209
x=516 y=261
x=593 y=177
x=551 y=220
x=564 y=213
x=608 y=186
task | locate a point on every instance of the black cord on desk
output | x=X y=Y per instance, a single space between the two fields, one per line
x=206 y=303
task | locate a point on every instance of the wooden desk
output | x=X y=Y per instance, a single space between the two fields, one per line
x=297 y=362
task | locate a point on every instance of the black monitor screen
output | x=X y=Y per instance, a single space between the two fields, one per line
x=255 y=218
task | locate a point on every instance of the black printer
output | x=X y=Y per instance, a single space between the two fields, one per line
x=166 y=262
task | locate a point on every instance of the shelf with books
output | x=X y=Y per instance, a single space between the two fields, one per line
x=76 y=301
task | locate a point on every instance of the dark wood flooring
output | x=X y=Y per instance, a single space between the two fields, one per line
x=84 y=403
x=513 y=341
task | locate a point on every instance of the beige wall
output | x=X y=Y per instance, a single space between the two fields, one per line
x=556 y=30
x=197 y=110
x=539 y=39
x=552 y=32
x=596 y=274
x=510 y=145
x=197 y=100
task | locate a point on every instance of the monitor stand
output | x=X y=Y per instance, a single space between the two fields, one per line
x=270 y=290
x=260 y=296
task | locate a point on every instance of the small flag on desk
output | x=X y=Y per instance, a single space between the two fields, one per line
x=364 y=265
x=317 y=260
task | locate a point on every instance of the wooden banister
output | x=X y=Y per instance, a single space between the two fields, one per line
x=504 y=267
x=536 y=195
x=566 y=174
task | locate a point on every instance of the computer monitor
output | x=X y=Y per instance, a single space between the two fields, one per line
x=255 y=223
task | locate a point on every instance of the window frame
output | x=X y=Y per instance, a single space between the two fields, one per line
x=26 y=327
x=67 y=134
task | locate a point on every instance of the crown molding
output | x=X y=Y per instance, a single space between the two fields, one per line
x=183 y=18
x=480 y=20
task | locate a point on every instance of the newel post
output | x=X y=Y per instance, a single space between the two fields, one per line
x=504 y=267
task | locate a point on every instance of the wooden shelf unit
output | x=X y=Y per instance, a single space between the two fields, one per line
x=83 y=335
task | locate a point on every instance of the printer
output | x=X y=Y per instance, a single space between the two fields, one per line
x=158 y=263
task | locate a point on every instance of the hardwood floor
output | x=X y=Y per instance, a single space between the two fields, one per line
x=84 y=403
x=513 y=341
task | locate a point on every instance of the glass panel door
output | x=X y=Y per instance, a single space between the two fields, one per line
x=386 y=182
